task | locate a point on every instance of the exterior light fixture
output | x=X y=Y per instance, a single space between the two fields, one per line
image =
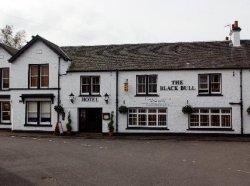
x=72 y=97
x=106 y=98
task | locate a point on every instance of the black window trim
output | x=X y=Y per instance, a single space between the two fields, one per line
x=209 y=85
x=90 y=94
x=1 y=79
x=147 y=94
x=39 y=76
x=1 y=122
x=38 y=114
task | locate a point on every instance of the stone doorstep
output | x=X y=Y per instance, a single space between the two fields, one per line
x=176 y=137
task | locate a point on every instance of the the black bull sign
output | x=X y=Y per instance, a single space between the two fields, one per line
x=176 y=85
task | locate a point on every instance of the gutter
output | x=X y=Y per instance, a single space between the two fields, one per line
x=241 y=103
x=58 y=90
x=116 y=102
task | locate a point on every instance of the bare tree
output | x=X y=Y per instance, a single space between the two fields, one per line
x=8 y=37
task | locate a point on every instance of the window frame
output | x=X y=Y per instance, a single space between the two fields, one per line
x=146 y=84
x=210 y=114
x=1 y=78
x=90 y=86
x=38 y=117
x=147 y=113
x=39 y=79
x=209 y=85
x=1 y=119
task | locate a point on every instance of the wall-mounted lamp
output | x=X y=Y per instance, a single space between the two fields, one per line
x=106 y=98
x=72 y=97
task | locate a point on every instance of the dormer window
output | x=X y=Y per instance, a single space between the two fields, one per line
x=39 y=76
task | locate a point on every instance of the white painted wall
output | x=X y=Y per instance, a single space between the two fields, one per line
x=4 y=56
x=71 y=84
x=175 y=100
x=39 y=53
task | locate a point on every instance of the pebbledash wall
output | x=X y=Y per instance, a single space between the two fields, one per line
x=175 y=89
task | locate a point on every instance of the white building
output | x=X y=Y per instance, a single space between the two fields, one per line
x=154 y=81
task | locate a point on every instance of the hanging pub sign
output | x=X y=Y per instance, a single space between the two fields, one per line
x=177 y=85
x=90 y=99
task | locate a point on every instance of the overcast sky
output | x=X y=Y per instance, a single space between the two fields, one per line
x=91 y=22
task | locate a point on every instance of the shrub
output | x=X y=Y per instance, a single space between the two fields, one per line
x=111 y=123
x=68 y=125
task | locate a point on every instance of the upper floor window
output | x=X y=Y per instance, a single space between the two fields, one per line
x=90 y=85
x=5 y=78
x=209 y=84
x=146 y=84
x=39 y=76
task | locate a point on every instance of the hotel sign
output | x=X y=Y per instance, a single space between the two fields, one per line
x=90 y=99
x=177 y=85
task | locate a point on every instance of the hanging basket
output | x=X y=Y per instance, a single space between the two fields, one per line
x=123 y=109
x=187 y=109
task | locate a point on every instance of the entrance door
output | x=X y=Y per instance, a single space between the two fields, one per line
x=90 y=120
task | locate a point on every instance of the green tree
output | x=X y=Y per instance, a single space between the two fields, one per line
x=11 y=38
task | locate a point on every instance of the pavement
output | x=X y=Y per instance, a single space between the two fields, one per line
x=34 y=160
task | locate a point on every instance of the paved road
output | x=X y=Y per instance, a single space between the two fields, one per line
x=58 y=161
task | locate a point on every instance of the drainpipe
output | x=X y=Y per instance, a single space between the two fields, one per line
x=241 y=104
x=58 y=89
x=117 y=103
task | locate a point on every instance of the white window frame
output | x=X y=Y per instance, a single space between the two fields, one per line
x=152 y=84
x=38 y=113
x=146 y=84
x=6 y=78
x=147 y=113
x=2 y=120
x=90 y=86
x=208 y=90
x=209 y=114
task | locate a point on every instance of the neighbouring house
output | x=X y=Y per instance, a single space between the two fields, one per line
x=146 y=86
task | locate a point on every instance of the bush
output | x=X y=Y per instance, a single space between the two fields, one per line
x=68 y=125
x=123 y=109
x=60 y=110
x=111 y=123
x=187 y=109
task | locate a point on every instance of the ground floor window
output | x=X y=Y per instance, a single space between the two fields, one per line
x=5 y=112
x=147 y=117
x=38 y=112
x=211 y=118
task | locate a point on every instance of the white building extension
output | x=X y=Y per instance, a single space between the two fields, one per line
x=144 y=88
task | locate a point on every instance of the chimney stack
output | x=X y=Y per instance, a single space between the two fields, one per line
x=235 y=34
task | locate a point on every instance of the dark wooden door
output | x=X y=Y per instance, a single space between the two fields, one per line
x=90 y=120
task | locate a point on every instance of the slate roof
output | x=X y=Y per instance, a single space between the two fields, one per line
x=8 y=49
x=160 y=56
x=51 y=45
